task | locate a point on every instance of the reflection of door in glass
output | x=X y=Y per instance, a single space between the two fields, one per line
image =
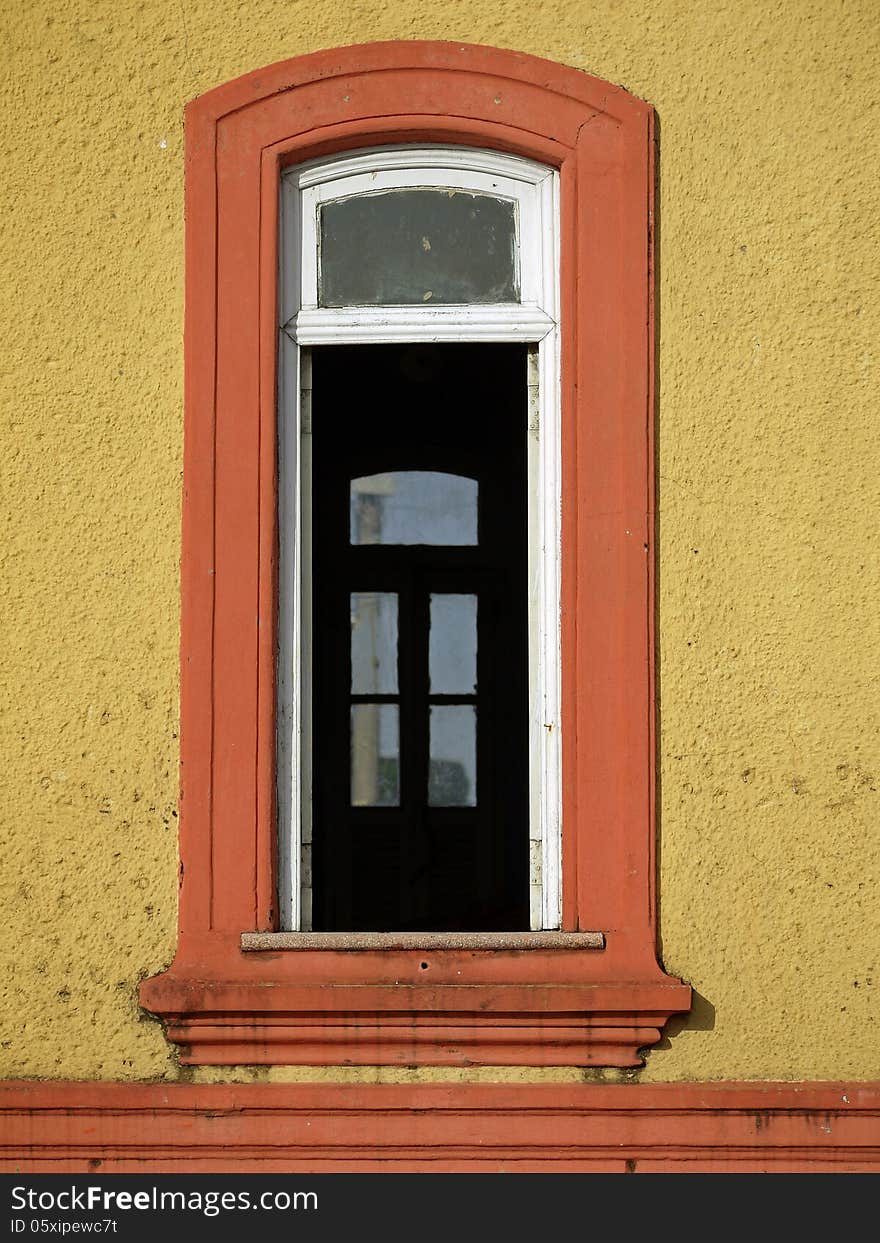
x=420 y=638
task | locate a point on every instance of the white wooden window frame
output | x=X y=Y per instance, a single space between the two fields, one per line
x=534 y=190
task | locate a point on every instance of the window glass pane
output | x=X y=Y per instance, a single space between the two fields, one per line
x=452 y=650
x=373 y=643
x=375 y=755
x=453 y=775
x=414 y=507
x=422 y=247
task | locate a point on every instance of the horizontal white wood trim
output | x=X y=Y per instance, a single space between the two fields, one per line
x=333 y=326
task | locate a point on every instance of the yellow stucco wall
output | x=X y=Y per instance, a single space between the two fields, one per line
x=769 y=496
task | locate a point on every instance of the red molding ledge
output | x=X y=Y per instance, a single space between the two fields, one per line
x=506 y=1021
x=334 y=1128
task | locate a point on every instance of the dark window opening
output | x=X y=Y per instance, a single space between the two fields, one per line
x=420 y=664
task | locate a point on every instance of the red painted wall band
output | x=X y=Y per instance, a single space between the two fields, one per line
x=741 y=1127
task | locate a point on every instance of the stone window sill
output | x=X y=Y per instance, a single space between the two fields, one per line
x=273 y=941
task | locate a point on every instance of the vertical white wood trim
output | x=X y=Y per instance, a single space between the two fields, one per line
x=309 y=248
x=536 y=689
x=288 y=726
x=549 y=546
x=289 y=251
x=304 y=632
x=547 y=746
x=289 y=705
x=294 y=638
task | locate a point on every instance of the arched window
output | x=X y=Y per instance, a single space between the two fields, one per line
x=420 y=313
x=386 y=360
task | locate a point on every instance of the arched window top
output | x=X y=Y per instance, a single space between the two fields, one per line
x=426 y=233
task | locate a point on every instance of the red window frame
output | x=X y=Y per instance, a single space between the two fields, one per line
x=550 y=1005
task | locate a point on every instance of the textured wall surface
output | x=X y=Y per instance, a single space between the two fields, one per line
x=769 y=493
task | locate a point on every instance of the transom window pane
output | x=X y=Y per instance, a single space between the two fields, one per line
x=414 y=507
x=418 y=247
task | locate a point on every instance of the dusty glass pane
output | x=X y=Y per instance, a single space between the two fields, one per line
x=452 y=780
x=418 y=247
x=373 y=643
x=375 y=755
x=452 y=649
x=414 y=507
